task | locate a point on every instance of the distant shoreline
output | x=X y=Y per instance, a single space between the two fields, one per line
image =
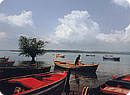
x=79 y=51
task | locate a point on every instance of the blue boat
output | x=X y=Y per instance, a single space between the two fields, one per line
x=110 y=57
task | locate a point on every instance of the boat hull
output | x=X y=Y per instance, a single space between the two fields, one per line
x=4 y=58
x=7 y=72
x=84 y=68
x=118 y=86
x=6 y=63
x=61 y=56
x=90 y=55
x=55 y=88
x=111 y=58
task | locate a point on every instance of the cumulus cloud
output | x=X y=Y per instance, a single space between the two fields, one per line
x=116 y=37
x=1 y=1
x=76 y=27
x=78 y=30
x=11 y=26
x=124 y=3
x=25 y=18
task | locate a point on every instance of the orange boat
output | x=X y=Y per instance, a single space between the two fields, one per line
x=80 y=67
x=35 y=84
x=59 y=55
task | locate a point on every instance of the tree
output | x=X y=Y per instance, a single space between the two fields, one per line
x=30 y=47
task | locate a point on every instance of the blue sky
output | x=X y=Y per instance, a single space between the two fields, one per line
x=67 y=24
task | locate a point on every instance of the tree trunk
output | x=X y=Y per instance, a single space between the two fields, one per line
x=33 y=60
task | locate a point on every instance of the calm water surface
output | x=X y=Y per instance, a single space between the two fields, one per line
x=105 y=71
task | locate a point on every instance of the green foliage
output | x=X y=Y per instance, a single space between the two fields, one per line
x=31 y=47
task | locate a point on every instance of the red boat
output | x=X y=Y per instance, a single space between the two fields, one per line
x=35 y=84
x=4 y=58
x=6 y=63
x=118 y=86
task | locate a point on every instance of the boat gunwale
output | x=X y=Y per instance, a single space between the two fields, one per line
x=77 y=66
x=117 y=81
x=37 y=88
x=7 y=61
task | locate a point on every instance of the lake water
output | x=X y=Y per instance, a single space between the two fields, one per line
x=105 y=71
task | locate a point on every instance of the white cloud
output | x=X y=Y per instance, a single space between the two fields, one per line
x=116 y=37
x=25 y=18
x=1 y=1
x=124 y=3
x=76 y=27
x=78 y=30
x=11 y=26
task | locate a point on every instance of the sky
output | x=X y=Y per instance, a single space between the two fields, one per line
x=102 y=25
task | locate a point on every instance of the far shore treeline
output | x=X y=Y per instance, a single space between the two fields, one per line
x=79 y=51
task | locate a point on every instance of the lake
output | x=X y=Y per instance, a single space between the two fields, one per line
x=105 y=71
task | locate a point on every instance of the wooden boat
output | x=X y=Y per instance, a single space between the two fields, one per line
x=118 y=86
x=35 y=84
x=124 y=78
x=4 y=58
x=6 y=63
x=13 y=71
x=59 y=55
x=81 y=67
x=110 y=57
x=90 y=55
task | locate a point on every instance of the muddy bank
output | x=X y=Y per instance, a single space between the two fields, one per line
x=78 y=81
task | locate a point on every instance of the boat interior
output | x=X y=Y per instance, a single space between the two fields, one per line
x=25 y=84
x=116 y=87
x=74 y=64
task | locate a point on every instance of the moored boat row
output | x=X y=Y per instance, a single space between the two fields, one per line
x=14 y=71
x=28 y=80
x=4 y=58
x=4 y=62
x=20 y=80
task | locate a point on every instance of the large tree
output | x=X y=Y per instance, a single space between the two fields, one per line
x=31 y=47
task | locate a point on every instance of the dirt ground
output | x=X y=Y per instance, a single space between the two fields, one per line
x=77 y=82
